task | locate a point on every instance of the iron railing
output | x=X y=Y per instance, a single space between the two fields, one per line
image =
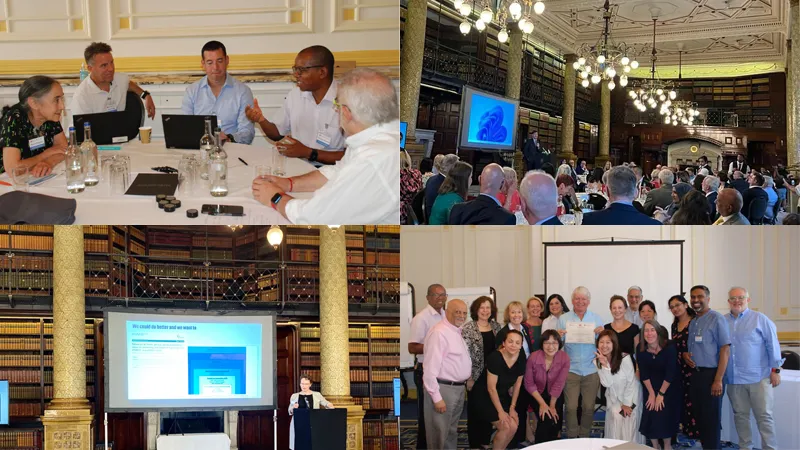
x=452 y=67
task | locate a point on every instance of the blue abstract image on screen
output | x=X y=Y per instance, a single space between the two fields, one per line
x=491 y=121
x=403 y=128
x=3 y=402
x=217 y=371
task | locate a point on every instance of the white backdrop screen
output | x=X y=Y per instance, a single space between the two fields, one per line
x=610 y=269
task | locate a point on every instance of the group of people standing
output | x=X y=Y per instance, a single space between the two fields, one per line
x=522 y=378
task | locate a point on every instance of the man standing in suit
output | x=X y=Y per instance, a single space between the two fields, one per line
x=486 y=209
x=739 y=165
x=739 y=182
x=532 y=152
x=620 y=210
x=729 y=205
x=755 y=192
x=661 y=197
x=710 y=188
x=702 y=163
x=539 y=199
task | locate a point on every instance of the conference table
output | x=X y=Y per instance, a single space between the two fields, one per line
x=97 y=205
x=197 y=441
x=785 y=411
x=582 y=444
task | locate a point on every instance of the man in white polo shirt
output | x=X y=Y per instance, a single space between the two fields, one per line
x=308 y=118
x=104 y=90
x=363 y=186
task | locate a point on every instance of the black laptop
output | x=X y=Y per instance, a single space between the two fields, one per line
x=107 y=128
x=183 y=131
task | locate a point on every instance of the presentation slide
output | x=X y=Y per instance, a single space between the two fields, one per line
x=162 y=361
x=403 y=128
x=489 y=121
x=3 y=402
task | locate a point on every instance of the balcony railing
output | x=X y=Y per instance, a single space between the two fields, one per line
x=249 y=284
x=449 y=66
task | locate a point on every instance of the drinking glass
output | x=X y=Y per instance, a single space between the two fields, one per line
x=187 y=173
x=105 y=166
x=262 y=170
x=278 y=165
x=20 y=178
x=567 y=219
x=127 y=160
x=119 y=178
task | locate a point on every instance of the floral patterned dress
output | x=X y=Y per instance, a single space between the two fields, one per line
x=410 y=184
x=688 y=422
x=16 y=130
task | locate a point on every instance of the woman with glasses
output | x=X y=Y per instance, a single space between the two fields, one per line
x=545 y=376
x=684 y=314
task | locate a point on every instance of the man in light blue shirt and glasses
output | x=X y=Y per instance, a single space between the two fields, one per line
x=582 y=378
x=753 y=371
x=219 y=94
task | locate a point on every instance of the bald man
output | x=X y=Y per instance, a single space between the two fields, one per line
x=308 y=124
x=539 y=198
x=729 y=206
x=486 y=209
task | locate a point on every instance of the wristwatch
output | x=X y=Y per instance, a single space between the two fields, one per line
x=314 y=155
x=778 y=370
x=276 y=199
x=145 y=94
x=663 y=394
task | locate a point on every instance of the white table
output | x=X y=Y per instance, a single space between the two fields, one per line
x=577 y=444
x=96 y=205
x=199 y=441
x=785 y=413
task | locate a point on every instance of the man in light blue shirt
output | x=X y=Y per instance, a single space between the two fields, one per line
x=582 y=378
x=219 y=94
x=709 y=344
x=753 y=371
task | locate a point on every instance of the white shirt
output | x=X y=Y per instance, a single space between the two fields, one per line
x=306 y=120
x=633 y=317
x=363 y=187
x=550 y=323
x=90 y=99
x=421 y=324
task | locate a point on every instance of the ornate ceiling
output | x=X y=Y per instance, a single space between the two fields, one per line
x=714 y=37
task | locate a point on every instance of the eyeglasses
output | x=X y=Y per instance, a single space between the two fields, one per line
x=303 y=69
x=675 y=306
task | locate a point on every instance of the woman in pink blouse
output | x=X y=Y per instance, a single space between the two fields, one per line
x=545 y=376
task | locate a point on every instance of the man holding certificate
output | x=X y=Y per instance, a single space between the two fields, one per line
x=579 y=328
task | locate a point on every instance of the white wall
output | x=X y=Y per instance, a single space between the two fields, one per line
x=511 y=259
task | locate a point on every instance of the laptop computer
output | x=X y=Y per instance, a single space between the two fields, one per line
x=107 y=127
x=184 y=131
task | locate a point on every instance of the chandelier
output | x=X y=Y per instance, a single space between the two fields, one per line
x=505 y=11
x=679 y=111
x=605 y=59
x=652 y=91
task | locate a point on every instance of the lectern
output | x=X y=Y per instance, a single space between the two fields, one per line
x=320 y=429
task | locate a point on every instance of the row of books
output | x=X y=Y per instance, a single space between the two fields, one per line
x=358 y=375
x=304 y=254
x=388 y=443
x=314 y=346
x=28 y=228
x=386 y=347
x=312 y=360
x=377 y=428
x=377 y=332
x=201 y=253
x=381 y=402
x=25 y=409
x=95 y=245
x=21 y=328
x=87 y=328
x=34 y=344
x=95 y=229
x=137 y=248
x=23 y=242
x=212 y=241
x=20 y=439
x=383 y=243
x=28 y=376
x=392 y=259
x=34 y=360
x=35 y=392
x=168 y=253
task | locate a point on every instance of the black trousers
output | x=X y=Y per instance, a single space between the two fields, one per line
x=707 y=408
x=548 y=429
x=422 y=441
x=479 y=431
x=523 y=400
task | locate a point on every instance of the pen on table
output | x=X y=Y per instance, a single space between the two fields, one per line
x=243 y=161
x=5 y=183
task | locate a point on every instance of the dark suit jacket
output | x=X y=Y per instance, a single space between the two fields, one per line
x=552 y=221
x=751 y=195
x=657 y=197
x=618 y=214
x=712 y=205
x=431 y=191
x=740 y=185
x=501 y=337
x=707 y=167
x=532 y=153
x=481 y=211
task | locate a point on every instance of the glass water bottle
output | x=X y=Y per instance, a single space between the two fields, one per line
x=90 y=159
x=218 y=168
x=206 y=147
x=76 y=182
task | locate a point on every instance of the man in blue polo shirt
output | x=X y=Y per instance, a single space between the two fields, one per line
x=709 y=348
x=582 y=378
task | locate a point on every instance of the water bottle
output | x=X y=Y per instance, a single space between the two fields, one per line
x=84 y=73
x=206 y=147
x=90 y=160
x=74 y=164
x=218 y=168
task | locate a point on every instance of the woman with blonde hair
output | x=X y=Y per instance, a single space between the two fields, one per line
x=608 y=166
x=509 y=193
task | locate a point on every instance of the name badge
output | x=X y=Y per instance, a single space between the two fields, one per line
x=110 y=106
x=698 y=338
x=119 y=139
x=35 y=144
x=323 y=140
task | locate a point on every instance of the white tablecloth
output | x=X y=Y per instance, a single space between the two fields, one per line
x=199 y=441
x=96 y=205
x=576 y=444
x=785 y=413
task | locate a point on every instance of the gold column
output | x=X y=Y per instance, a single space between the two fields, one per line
x=68 y=420
x=568 y=113
x=411 y=63
x=334 y=331
x=793 y=87
x=514 y=72
x=605 y=125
